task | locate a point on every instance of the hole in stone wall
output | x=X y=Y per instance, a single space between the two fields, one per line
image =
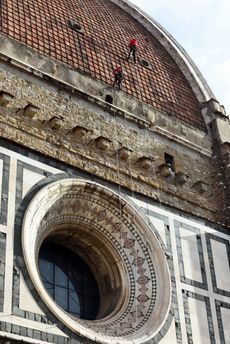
x=75 y=26
x=109 y=99
x=169 y=159
x=145 y=63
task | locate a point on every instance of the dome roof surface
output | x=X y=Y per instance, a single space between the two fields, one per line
x=100 y=45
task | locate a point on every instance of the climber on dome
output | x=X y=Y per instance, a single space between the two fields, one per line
x=118 y=76
x=132 y=49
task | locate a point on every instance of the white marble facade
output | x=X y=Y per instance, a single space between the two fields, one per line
x=200 y=267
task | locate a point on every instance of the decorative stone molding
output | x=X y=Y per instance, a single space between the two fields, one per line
x=82 y=154
x=181 y=178
x=87 y=160
x=160 y=122
x=124 y=252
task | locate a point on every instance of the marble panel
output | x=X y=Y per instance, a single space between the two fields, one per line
x=26 y=300
x=30 y=178
x=221 y=264
x=191 y=259
x=225 y=314
x=199 y=321
x=160 y=227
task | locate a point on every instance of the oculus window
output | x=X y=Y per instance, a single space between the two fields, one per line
x=69 y=281
x=90 y=264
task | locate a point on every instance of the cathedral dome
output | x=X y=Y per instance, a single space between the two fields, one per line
x=114 y=203
x=92 y=37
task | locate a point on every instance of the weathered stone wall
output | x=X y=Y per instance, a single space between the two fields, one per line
x=110 y=143
x=224 y=180
x=220 y=129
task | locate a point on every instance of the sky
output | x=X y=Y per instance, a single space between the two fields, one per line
x=202 y=28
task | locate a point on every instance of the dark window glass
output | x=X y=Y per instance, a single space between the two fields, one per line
x=69 y=281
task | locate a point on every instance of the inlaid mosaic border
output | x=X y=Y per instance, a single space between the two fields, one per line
x=175 y=316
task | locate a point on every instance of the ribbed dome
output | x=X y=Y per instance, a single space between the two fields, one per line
x=102 y=44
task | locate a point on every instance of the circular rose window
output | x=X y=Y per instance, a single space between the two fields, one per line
x=95 y=262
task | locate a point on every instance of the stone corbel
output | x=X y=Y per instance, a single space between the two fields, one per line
x=54 y=122
x=124 y=153
x=5 y=98
x=30 y=110
x=181 y=178
x=145 y=162
x=200 y=187
x=78 y=132
x=165 y=170
x=102 y=143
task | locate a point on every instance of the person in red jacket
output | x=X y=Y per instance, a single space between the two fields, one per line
x=133 y=49
x=118 y=76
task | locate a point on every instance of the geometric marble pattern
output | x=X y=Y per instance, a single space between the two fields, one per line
x=198 y=316
x=27 y=176
x=223 y=316
x=85 y=210
x=221 y=265
x=190 y=255
x=199 y=324
x=219 y=258
x=30 y=178
x=212 y=255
